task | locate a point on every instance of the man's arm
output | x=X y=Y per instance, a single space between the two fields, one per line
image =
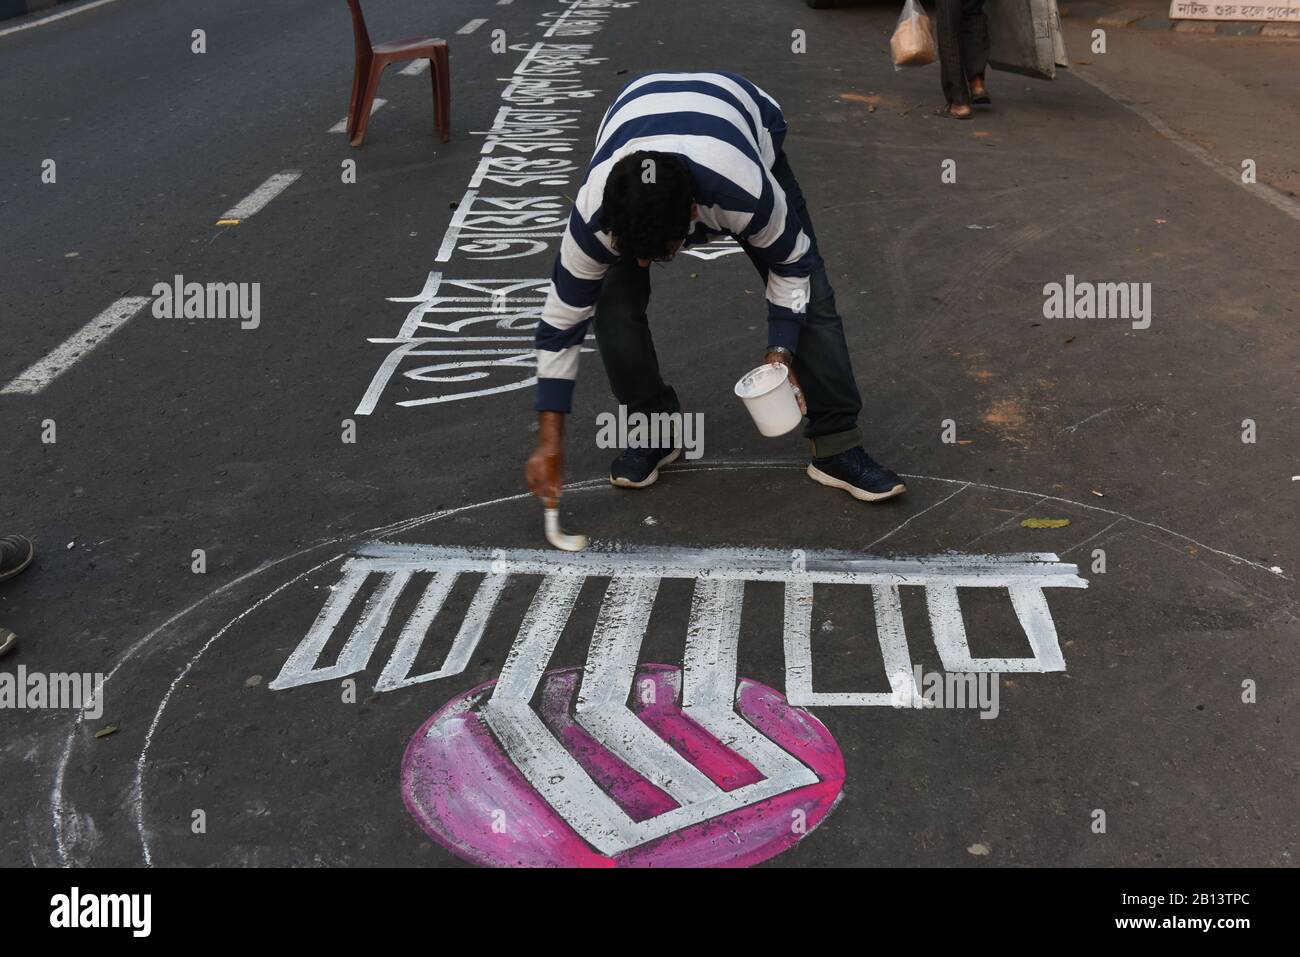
x=579 y=269
x=776 y=237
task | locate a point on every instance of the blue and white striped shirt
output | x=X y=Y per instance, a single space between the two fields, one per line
x=728 y=132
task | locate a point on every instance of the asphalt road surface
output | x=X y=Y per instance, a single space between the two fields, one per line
x=267 y=710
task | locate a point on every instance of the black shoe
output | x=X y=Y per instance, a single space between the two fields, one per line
x=16 y=553
x=857 y=473
x=637 y=468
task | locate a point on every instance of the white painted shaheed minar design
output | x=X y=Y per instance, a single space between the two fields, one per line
x=709 y=681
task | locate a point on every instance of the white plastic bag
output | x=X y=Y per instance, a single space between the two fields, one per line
x=913 y=41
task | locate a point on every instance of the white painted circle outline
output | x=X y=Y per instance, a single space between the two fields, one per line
x=137 y=788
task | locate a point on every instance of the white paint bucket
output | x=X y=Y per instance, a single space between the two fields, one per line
x=769 y=397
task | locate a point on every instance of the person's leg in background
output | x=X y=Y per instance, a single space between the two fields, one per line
x=975 y=48
x=825 y=371
x=952 y=75
x=628 y=351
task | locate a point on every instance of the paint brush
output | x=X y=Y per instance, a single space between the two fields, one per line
x=556 y=536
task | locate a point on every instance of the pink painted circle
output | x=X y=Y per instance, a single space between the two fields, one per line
x=471 y=796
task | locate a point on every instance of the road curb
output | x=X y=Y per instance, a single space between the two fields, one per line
x=1145 y=20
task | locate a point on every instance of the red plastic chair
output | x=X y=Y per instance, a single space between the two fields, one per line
x=371 y=62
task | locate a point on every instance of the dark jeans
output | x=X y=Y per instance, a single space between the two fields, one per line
x=821 y=362
x=963 y=31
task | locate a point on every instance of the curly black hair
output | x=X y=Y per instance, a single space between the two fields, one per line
x=647 y=204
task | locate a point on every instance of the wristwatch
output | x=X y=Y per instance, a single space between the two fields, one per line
x=781 y=351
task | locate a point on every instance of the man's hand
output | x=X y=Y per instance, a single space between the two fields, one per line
x=545 y=468
x=774 y=358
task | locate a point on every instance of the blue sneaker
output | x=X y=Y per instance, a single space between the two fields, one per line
x=637 y=468
x=858 y=474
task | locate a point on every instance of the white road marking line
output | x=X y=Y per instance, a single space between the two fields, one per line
x=504 y=3
x=471 y=27
x=40 y=374
x=52 y=17
x=1269 y=194
x=414 y=68
x=258 y=198
x=342 y=125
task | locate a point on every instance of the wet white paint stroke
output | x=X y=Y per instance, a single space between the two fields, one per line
x=709 y=683
x=57 y=802
x=726 y=563
x=602 y=705
x=552 y=771
x=949 y=632
x=719 y=574
x=709 y=667
x=891 y=637
x=397 y=673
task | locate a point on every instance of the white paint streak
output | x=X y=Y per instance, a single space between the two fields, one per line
x=397 y=673
x=1031 y=610
x=54 y=16
x=1095 y=415
x=607 y=683
x=916 y=516
x=709 y=688
x=891 y=636
x=1091 y=537
x=727 y=564
x=342 y=125
x=137 y=790
x=414 y=68
x=255 y=201
x=471 y=27
x=40 y=374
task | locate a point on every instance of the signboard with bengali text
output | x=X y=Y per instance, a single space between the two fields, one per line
x=1282 y=11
